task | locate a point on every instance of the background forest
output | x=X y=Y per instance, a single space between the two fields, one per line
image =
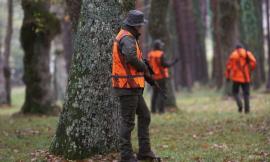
x=55 y=59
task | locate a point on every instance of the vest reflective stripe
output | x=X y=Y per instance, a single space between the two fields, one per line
x=154 y=58
x=124 y=75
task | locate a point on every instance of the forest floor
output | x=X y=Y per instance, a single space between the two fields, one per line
x=206 y=128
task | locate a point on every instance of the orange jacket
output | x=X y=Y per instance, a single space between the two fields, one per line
x=154 y=58
x=239 y=65
x=123 y=74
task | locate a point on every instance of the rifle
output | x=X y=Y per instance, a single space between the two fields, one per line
x=151 y=71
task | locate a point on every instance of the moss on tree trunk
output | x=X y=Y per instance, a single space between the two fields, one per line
x=89 y=122
x=38 y=29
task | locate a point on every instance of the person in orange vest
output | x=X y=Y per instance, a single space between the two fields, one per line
x=239 y=66
x=160 y=68
x=129 y=72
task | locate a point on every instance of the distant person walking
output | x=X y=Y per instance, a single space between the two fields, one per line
x=239 y=66
x=160 y=67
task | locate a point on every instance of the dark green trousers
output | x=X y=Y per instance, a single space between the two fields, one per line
x=130 y=106
x=246 y=91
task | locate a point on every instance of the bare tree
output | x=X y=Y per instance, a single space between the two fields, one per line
x=6 y=54
x=252 y=35
x=268 y=42
x=185 y=29
x=200 y=14
x=158 y=30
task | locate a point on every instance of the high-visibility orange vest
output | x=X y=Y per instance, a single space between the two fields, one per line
x=154 y=58
x=123 y=74
x=239 y=65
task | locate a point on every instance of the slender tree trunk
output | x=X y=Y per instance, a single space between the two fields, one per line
x=268 y=42
x=38 y=29
x=158 y=30
x=185 y=38
x=90 y=119
x=217 y=59
x=200 y=13
x=6 y=54
x=66 y=28
x=225 y=26
x=3 y=98
x=252 y=35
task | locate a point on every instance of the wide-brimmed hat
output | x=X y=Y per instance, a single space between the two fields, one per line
x=135 y=18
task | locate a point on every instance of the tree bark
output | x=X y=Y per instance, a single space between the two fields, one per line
x=6 y=54
x=89 y=122
x=225 y=36
x=268 y=43
x=252 y=35
x=200 y=13
x=38 y=29
x=74 y=9
x=185 y=25
x=69 y=28
x=158 y=30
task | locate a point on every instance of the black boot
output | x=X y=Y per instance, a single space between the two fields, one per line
x=148 y=156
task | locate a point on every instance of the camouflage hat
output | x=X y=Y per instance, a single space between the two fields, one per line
x=135 y=18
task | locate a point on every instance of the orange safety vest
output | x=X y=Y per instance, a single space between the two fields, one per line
x=239 y=66
x=123 y=74
x=154 y=58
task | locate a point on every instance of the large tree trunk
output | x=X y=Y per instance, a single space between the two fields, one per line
x=225 y=36
x=158 y=30
x=90 y=119
x=268 y=42
x=38 y=29
x=252 y=35
x=6 y=54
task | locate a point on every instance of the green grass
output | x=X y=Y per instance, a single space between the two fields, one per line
x=206 y=128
